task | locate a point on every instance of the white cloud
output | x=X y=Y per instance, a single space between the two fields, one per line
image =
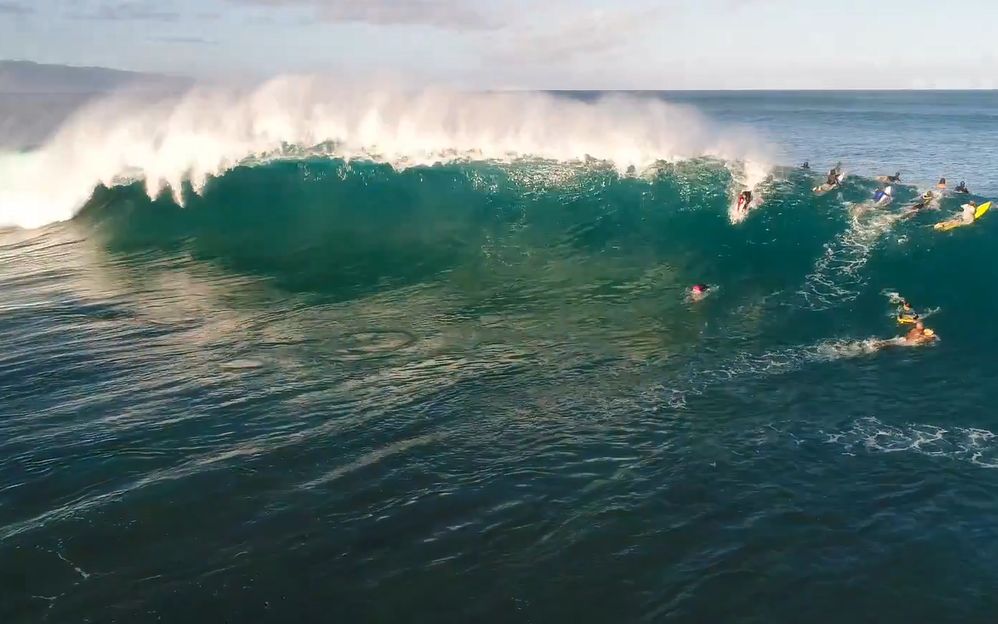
x=451 y=14
x=129 y=11
x=577 y=36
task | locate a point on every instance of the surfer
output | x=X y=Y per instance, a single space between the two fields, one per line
x=894 y=179
x=744 y=199
x=919 y=335
x=961 y=188
x=941 y=185
x=884 y=197
x=833 y=177
x=968 y=213
x=806 y=166
x=907 y=314
x=923 y=203
x=698 y=292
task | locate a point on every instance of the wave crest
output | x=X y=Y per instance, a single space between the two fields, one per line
x=201 y=133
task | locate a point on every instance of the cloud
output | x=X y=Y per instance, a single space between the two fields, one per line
x=184 y=40
x=449 y=14
x=584 y=35
x=15 y=8
x=130 y=11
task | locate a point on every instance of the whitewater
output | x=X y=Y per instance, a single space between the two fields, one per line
x=204 y=132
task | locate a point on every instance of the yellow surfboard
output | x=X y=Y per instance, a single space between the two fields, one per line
x=981 y=210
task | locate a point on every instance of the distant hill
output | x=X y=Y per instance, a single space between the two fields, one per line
x=29 y=77
x=36 y=99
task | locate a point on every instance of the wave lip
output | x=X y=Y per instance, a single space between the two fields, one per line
x=204 y=132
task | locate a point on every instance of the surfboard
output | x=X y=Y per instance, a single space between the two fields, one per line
x=981 y=210
x=945 y=226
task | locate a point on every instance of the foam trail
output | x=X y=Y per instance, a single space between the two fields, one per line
x=749 y=174
x=206 y=131
x=697 y=381
x=837 y=277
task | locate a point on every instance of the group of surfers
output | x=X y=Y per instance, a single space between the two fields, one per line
x=885 y=195
x=882 y=196
x=919 y=334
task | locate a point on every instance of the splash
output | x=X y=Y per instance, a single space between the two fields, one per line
x=189 y=138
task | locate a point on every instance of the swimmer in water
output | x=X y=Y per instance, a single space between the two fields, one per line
x=919 y=335
x=941 y=185
x=923 y=203
x=698 y=292
x=744 y=200
x=924 y=200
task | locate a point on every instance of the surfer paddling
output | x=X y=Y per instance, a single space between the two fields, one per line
x=918 y=336
x=884 y=197
x=907 y=314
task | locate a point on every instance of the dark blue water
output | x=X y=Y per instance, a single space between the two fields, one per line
x=330 y=391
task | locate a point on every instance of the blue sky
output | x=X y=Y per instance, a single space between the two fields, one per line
x=598 y=44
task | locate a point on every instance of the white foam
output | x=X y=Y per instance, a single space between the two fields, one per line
x=976 y=446
x=208 y=130
x=837 y=277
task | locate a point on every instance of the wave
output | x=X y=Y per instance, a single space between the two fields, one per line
x=168 y=141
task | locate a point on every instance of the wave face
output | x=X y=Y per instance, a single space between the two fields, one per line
x=170 y=141
x=301 y=382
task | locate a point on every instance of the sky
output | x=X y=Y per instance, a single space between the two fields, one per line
x=532 y=44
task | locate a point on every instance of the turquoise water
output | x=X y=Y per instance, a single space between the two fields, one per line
x=339 y=391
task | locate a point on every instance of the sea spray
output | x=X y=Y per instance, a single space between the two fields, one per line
x=190 y=137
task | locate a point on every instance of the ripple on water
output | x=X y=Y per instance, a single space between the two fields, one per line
x=372 y=343
x=241 y=364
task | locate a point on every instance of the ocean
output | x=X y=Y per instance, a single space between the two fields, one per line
x=318 y=355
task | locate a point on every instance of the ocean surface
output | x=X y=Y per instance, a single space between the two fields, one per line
x=294 y=356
